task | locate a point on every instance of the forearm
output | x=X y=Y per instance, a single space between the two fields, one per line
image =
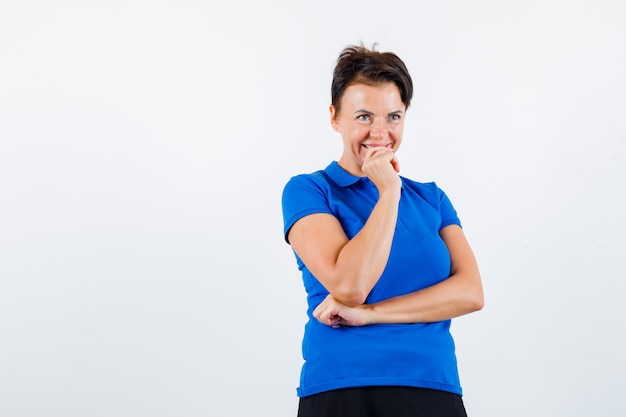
x=458 y=295
x=362 y=260
x=461 y=293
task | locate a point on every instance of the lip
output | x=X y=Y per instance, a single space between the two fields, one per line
x=377 y=145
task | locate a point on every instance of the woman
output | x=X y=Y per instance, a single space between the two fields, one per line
x=384 y=260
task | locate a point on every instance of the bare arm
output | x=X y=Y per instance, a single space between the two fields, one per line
x=460 y=294
x=349 y=269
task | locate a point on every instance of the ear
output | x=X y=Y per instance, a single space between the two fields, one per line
x=333 y=118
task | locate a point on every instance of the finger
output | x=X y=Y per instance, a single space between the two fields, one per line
x=384 y=156
x=316 y=312
x=378 y=150
x=334 y=321
x=395 y=163
x=323 y=314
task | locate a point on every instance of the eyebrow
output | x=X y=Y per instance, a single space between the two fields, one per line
x=369 y=112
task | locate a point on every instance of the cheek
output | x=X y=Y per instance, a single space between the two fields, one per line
x=359 y=133
x=396 y=133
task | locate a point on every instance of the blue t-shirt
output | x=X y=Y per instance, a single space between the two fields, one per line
x=418 y=355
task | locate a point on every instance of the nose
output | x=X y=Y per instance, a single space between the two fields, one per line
x=379 y=129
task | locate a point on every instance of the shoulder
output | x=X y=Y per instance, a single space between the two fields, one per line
x=435 y=197
x=311 y=177
x=429 y=191
x=304 y=194
x=304 y=182
x=312 y=189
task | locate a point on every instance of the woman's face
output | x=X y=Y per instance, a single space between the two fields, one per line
x=369 y=116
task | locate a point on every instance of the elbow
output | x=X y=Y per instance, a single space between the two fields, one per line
x=476 y=301
x=349 y=290
x=350 y=296
x=477 y=304
x=472 y=293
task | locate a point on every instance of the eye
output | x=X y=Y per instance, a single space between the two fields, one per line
x=363 y=118
x=395 y=117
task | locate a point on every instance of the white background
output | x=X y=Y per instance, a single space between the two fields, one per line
x=143 y=150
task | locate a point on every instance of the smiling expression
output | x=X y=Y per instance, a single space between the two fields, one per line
x=370 y=115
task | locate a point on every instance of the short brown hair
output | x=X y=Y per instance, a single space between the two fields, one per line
x=358 y=64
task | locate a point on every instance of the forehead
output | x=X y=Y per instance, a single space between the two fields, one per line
x=384 y=96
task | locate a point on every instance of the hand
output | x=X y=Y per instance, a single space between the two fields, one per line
x=336 y=314
x=381 y=166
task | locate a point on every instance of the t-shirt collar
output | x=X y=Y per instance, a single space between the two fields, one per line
x=340 y=175
x=343 y=177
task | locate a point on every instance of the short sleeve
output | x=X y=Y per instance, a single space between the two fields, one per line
x=447 y=211
x=303 y=195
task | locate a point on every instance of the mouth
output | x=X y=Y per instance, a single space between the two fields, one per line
x=367 y=146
